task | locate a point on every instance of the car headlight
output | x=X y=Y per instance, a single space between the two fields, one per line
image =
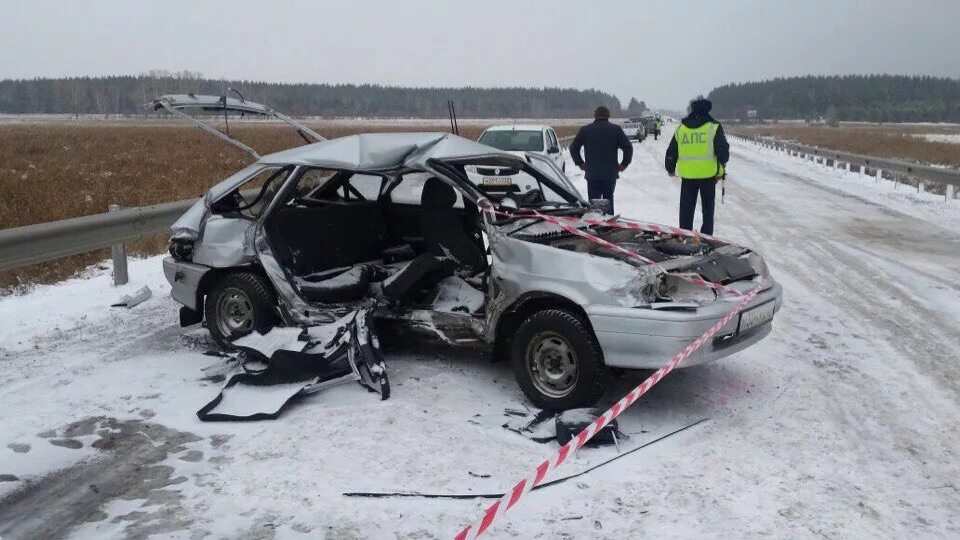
x=181 y=249
x=471 y=169
x=667 y=287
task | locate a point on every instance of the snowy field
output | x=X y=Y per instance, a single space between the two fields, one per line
x=952 y=138
x=842 y=424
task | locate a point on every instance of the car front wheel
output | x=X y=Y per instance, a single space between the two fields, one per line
x=557 y=362
x=238 y=304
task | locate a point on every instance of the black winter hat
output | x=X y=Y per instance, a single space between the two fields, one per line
x=700 y=105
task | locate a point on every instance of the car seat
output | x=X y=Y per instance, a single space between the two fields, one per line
x=444 y=232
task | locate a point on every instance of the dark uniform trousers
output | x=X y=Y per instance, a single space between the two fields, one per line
x=707 y=190
x=602 y=189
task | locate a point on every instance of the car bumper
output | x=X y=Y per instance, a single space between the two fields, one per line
x=635 y=338
x=184 y=279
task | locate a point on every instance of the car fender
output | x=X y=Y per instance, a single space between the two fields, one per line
x=226 y=242
x=519 y=268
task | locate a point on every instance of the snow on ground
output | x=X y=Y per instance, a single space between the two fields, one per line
x=952 y=138
x=843 y=423
x=884 y=192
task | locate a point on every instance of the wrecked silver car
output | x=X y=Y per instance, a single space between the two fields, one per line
x=394 y=225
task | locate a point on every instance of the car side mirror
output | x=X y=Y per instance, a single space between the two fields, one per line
x=553 y=150
x=603 y=205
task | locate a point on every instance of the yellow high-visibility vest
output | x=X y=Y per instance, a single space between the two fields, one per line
x=695 y=157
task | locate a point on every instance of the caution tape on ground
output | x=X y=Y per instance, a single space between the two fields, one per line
x=521 y=488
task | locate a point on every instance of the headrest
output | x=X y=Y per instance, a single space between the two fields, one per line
x=437 y=194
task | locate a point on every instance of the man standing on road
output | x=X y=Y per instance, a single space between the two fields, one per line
x=698 y=153
x=656 y=128
x=601 y=140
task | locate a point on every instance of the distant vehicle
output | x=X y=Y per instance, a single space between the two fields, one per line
x=649 y=122
x=519 y=139
x=634 y=129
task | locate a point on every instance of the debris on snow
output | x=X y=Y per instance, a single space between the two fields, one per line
x=570 y=423
x=287 y=361
x=130 y=300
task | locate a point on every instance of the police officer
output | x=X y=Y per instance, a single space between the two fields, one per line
x=698 y=153
x=656 y=128
x=600 y=141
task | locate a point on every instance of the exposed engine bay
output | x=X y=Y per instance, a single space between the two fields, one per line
x=719 y=263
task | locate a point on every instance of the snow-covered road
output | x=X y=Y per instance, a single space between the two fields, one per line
x=843 y=423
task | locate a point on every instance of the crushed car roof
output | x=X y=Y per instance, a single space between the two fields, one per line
x=383 y=151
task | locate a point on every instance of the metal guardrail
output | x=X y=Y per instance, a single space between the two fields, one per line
x=31 y=244
x=950 y=177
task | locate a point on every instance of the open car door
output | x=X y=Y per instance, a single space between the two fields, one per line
x=176 y=104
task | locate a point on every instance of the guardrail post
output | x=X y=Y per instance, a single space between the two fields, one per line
x=919 y=186
x=879 y=174
x=119 y=253
x=949 y=192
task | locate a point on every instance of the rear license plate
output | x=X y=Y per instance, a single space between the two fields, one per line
x=756 y=316
x=499 y=181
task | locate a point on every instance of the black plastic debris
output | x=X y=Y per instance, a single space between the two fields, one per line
x=570 y=423
x=287 y=362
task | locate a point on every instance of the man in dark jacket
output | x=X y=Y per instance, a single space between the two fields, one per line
x=698 y=153
x=602 y=166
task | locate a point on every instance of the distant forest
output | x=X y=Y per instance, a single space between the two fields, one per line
x=871 y=98
x=126 y=94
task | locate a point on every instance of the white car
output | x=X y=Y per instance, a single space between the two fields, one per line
x=634 y=129
x=520 y=139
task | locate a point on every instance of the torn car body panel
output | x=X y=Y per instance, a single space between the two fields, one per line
x=291 y=361
x=177 y=103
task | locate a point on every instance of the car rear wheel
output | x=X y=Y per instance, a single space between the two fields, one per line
x=557 y=362
x=239 y=303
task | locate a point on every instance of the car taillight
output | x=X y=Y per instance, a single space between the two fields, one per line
x=181 y=250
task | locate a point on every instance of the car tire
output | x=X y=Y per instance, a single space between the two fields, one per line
x=239 y=303
x=557 y=361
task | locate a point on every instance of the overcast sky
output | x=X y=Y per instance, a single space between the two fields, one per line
x=664 y=52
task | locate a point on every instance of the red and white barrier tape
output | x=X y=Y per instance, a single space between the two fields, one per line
x=644 y=226
x=522 y=487
x=558 y=221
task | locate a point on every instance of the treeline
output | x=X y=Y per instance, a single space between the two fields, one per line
x=870 y=98
x=126 y=94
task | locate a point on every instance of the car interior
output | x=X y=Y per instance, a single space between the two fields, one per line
x=343 y=236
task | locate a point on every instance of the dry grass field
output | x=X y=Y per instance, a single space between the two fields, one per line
x=881 y=140
x=57 y=170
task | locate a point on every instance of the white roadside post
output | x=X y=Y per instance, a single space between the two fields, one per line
x=119 y=253
x=949 y=193
x=879 y=174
